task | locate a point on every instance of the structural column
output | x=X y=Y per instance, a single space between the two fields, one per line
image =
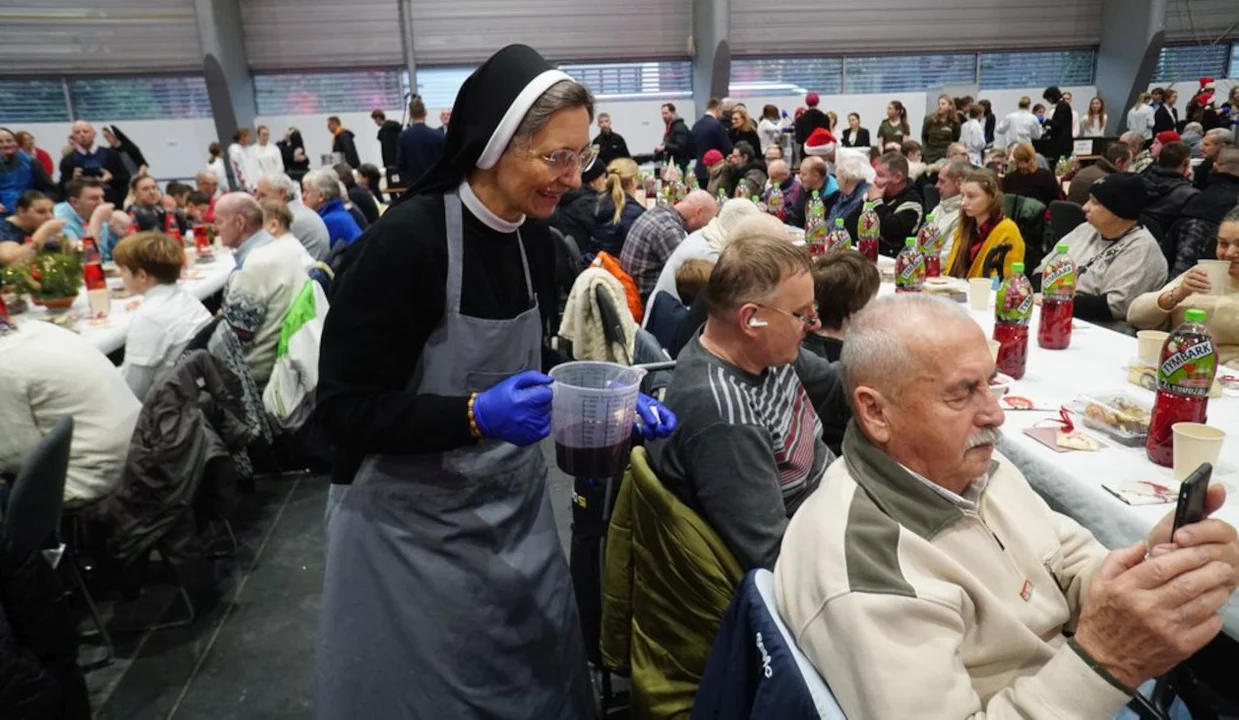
x=1132 y=35
x=229 y=83
x=711 y=51
x=406 y=42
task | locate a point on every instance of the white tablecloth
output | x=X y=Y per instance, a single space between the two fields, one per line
x=1071 y=483
x=202 y=280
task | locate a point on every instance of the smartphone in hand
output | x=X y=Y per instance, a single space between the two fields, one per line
x=1191 y=507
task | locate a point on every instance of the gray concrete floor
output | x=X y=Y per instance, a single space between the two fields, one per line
x=250 y=655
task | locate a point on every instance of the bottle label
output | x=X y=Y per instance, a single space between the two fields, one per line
x=1059 y=280
x=910 y=270
x=1014 y=303
x=1189 y=367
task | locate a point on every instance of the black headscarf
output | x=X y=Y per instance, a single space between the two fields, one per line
x=488 y=109
x=128 y=147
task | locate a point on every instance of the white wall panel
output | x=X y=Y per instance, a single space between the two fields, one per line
x=103 y=36
x=469 y=31
x=900 y=26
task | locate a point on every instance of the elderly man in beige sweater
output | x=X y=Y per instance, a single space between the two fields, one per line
x=925 y=577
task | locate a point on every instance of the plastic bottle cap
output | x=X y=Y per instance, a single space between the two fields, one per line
x=814 y=193
x=1017 y=268
x=838 y=222
x=910 y=242
x=1195 y=315
x=1061 y=247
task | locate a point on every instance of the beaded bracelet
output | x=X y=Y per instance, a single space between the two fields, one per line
x=474 y=430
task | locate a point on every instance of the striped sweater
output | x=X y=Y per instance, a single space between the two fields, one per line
x=748 y=449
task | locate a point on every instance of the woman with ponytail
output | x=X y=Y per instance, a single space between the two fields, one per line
x=617 y=207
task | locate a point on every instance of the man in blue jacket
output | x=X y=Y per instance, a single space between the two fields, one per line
x=709 y=134
x=419 y=146
x=322 y=192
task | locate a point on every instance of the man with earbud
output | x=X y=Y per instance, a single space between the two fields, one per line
x=752 y=406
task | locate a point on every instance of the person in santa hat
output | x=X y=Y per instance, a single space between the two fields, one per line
x=822 y=143
x=719 y=170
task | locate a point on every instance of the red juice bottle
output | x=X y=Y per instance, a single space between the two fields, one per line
x=909 y=268
x=1058 y=289
x=1184 y=376
x=868 y=230
x=927 y=240
x=90 y=251
x=1012 y=311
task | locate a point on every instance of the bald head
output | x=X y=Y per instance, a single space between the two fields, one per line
x=813 y=173
x=762 y=225
x=778 y=171
x=697 y=208
x=207 y=182
x=889 y=342
x=237 y=217
x=83 y=134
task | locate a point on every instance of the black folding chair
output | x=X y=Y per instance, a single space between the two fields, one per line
x=995 y=260
x=931 y=198
x=32 y=516
x=1065 y=216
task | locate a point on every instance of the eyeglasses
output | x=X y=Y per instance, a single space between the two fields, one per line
x=561 y=161
x=809 y=321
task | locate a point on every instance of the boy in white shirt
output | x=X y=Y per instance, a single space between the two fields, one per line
x=168 y=318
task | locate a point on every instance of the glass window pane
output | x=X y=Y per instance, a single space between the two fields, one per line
x=140 y=98
x=1234 y=61
x=32 y=101
x=1189 y=63
x=774 y=77
x=907 y=73
x=611 y=81
x=310 y=93
x=1037 y=69
x=438 y=86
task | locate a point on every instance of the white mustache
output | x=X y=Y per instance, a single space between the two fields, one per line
x=987 y=436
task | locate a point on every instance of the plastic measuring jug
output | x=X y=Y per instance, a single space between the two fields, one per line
x=592 y=415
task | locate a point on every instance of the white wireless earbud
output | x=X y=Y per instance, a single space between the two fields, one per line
x=757 y=322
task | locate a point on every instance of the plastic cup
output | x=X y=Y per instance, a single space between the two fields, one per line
x=1219 y=275
x=980 y=290
x=1194 y=443
x=1149 y=346
x=994 y=347
x=592 y=414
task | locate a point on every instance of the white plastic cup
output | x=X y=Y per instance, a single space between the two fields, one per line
x=1219 y=275
x=994 y=347
x=1194 y=443
x=1149 y=346
x=980 y=290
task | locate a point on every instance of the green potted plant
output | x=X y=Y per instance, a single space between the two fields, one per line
x=53 y=279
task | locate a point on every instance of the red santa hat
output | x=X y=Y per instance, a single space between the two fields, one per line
x=820 y=142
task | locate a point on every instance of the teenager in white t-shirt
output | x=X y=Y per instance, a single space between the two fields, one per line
x=168 y=318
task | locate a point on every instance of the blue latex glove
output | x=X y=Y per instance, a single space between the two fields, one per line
x=517 y=410
x=654 y=420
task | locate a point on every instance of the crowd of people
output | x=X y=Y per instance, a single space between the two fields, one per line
x=432 y=358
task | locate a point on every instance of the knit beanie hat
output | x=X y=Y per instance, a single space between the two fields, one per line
x=718 y=231
x=820 y=142
x=595 y=170
x=1121 y=193
x=712 y=158
x=811 y=99
x=1165 y=137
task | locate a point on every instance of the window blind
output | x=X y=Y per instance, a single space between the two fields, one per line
x=32 y=101
x=140 y=98
x=327 y=92
x=1038 y=69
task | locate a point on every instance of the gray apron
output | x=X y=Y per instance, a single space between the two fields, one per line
x=446 y=591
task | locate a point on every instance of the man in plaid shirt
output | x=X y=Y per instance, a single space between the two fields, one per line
x=656 y=234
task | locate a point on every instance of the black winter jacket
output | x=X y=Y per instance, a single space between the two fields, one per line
x=1194 y=236
x=39 y=676
x=1166 y=194
x=677 y=144
x=191 y=419
x=574 y=217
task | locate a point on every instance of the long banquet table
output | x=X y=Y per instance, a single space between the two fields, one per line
x=1096 y=362
x=202 y=280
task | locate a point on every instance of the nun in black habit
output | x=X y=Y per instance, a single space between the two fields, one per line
x=446 y=592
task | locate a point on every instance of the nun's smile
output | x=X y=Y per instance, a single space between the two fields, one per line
x=534 y=177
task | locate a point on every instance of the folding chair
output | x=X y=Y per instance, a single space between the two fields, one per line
x=1065 y=216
